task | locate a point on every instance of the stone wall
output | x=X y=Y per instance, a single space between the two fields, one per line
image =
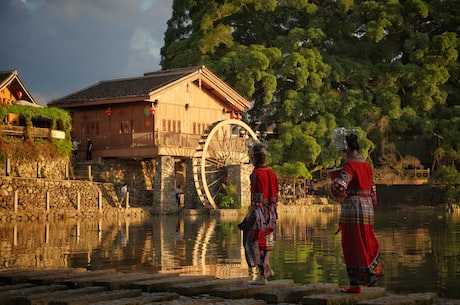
x=36 y=198
x=138 y=174
x=45 y=168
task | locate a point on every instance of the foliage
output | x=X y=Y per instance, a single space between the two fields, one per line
x=53 y=118
x=226 y=199
x=388 y=68
x=449 y=178
x=25 y=151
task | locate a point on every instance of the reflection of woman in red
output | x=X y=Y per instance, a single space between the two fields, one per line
x=353 y=185
x=261 y=216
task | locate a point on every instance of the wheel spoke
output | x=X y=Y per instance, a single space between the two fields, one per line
x=225 y=144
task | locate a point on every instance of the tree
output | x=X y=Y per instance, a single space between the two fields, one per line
x=311 y=66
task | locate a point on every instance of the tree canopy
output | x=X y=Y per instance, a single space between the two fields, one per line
x=388 y=68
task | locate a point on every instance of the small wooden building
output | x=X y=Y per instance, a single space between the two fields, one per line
x=164 y=115
x=13 y=91
x=158 y=114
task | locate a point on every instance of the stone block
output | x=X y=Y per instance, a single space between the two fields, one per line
x=196 y=288
x=339 y=298
x=249 y=291
x=426 y=298
x=294 y=294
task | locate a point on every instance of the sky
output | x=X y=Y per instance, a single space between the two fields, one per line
x=62 y=46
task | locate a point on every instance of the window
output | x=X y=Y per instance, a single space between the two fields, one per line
x=125 y=126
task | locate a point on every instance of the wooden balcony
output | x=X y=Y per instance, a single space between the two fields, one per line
x=142 y=145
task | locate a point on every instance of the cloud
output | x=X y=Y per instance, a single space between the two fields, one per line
x=61 y=46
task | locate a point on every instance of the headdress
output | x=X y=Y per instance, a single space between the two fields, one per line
x=257 y=148
x=339 y=137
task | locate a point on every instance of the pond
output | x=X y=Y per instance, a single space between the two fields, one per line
x=420 y=247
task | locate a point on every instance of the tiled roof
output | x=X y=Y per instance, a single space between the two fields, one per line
x=10 y=79
x=125 y=88
x=6 y=75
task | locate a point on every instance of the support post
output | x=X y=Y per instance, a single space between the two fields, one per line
x=16 y=199
x=8 y=167
x=99 y=201
x=78 y=201
x=47 y=201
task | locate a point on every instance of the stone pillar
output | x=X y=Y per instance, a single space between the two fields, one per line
x=191 y=197
x=164 y=193
x=239 y=175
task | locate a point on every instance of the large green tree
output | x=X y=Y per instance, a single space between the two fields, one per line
x=389 y=68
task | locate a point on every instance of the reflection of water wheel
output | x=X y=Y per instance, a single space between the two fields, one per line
x=224 y=143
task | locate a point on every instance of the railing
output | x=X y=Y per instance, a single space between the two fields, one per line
x=35 y=132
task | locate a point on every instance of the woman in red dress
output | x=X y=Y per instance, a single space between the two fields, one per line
x=353 y=185
x=261 y=217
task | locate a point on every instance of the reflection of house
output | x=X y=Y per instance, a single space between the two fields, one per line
x=152 y=117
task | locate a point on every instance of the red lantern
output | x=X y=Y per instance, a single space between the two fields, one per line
x=152 y=110
x=108 y=111
x=19 y=95
x=233 y=115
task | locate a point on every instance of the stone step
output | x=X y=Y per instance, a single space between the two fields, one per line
x=164 y=284
x=98 y=297
x=17 y=276
x=338 y=298
x=144 y=298
x=295 y=294
x=209 y=300
x=196 y=288
x=110 y=280
x=59 y=278
x=126 y=280
x=47 y=297
x=8 y=287
x=7 y=296
x=249 y=291
x=171 y=289
x=426 y=298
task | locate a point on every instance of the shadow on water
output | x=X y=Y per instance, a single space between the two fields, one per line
x=420 y=248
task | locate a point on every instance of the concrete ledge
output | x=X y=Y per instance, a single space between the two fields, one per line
x=48 y=297
x=164 y=284
x=337 y=297
x=144 y=298
x=7 y=296
x=111 y=280
x=295 y=293
x=249 y=291
x=98 y=297
x=58 y=278
x=197 y=288
x=125 y=280
x=427 y=298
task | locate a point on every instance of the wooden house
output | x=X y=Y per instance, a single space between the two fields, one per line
x=159 y=113
x=164 y=115
x=13 y=91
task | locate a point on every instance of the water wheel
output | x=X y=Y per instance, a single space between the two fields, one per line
x=222 y=144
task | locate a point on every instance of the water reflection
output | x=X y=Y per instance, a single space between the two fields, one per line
x=419 y=248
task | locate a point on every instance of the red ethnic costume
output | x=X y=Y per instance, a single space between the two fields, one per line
x=353 y=185
x=261 y=219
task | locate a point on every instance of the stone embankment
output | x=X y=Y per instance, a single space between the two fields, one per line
x=103 y=287
x=30 y=198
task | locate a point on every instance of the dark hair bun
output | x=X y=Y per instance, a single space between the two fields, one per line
x=352 y=142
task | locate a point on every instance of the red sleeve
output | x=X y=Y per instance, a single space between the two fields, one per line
x=340 y=184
